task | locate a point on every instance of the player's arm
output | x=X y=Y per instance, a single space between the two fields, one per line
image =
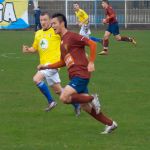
x=56 y=65
x=92 y=45
x=110 y=11
x=27 y=49
x=33 y=48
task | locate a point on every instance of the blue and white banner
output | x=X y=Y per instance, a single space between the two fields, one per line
x=13 y=14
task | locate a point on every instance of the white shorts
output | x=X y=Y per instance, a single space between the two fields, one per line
x=51 y=76
x=85 y=31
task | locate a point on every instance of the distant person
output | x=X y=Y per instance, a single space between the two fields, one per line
x=83 y=22
x=37 y=13
x=113 y=28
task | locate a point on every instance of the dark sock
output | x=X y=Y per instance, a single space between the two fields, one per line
x=127 y=39
x=105 y=44
x=101 y=117
x=78 y=98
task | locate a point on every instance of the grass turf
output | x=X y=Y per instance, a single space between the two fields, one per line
x=122 y=79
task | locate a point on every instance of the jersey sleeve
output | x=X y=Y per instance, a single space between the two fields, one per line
x=80 y=40
x=35 y=42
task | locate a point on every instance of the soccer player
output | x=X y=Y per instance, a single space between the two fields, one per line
x=113 y=28
x=47 y=44
x=83 y=22
x=79 y=67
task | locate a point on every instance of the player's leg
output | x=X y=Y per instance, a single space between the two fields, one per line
x=118 y=37
x=95 y=39
x=85 y=31
x=125 y=39
x=70 y=95
x=110 y=125
x=105 y=43
x=38 y=80
x=70 y=92
x=76 y=86
x=54 y=81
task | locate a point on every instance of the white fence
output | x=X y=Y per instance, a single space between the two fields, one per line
x=129 y=12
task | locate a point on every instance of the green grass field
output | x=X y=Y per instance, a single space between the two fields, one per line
x=122 y=79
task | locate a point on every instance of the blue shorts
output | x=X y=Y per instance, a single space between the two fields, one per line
x=113 y=28
x=79 y=84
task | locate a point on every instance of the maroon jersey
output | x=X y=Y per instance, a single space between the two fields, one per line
x=111 y=14
x=73 y=53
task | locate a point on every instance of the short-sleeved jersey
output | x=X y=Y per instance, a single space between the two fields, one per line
x=81 y=15
x=73 y=53
x=109 y=12
x=47 y=43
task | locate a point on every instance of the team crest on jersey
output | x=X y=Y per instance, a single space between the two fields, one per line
x=44 y=44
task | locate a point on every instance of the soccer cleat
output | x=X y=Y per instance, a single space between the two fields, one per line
x=103 y=52
x=109 y=129
x=133 y=41
x=77 y=111
x=51 y=106
x=96 y=104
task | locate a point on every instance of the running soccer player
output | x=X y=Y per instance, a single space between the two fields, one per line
x=73 y=56
x=113 y=28
x=83 y=22
x=47 y=44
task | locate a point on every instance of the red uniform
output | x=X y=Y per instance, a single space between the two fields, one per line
x=110 y=15
x=73 y=53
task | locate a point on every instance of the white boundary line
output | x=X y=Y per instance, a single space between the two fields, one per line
x=10 y=55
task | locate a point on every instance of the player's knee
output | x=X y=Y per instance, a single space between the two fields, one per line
x=36 y=80
x=58 y=92
x=118 y=38
x=64 y=99
x=105 y=38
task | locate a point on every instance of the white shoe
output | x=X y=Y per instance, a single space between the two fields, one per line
x=109 y=129
x=51 y=106
x=96 y=104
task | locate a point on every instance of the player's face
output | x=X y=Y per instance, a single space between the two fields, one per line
x=75 y=7
x=56 y=25
x=104 y=5
x=45 y=22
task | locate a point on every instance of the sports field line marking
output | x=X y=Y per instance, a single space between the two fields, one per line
x=10 y=55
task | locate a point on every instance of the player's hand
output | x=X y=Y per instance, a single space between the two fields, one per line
x=91 y=67
x=41 y=67
x=25 y=48
x=104 y=21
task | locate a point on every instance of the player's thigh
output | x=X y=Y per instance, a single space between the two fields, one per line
x=66 y=94
x=57 y=88
x=38 y=77
x=106 y=35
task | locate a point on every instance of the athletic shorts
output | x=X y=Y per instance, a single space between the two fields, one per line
x=51 y=76
x=79 y=84
x=85 y=31
x=113 y=28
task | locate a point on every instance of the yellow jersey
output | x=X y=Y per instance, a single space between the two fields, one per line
x=47 y=43
x=81 y=16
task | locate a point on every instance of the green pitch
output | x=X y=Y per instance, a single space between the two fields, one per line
x=122 y=79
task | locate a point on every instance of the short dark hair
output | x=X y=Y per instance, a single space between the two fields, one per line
x=44 y=13
x=105 y=1
x=61 y=18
